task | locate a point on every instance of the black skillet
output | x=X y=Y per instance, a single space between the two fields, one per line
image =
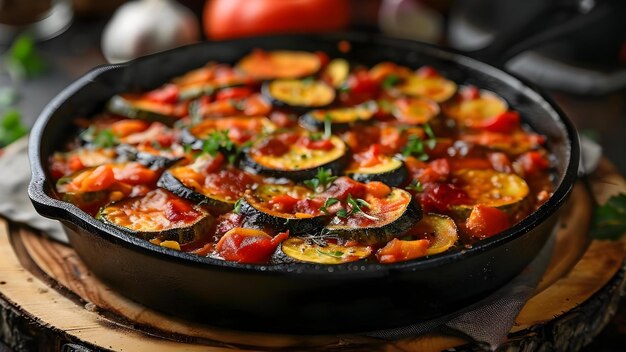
x=299 y=298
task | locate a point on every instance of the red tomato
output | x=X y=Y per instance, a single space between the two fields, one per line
x=248 y=245
x=283 y=203
x=178 y=209
x=239 y=18
x=74 y=163
x=361 y=87
x=320 y=144
x=324 y=59
x=500 y=162
x=342 y=187
x=167 y=94
x=440 y=196
x=533 y=162
x=427 y=72
x=398 y=250
x=233 y=93
x=486 y=221
x=135 y=174
x=273 y=147
x=215 y=163
x=127 y=127
x=95 y=180
x=506 y=122
x=470 y=93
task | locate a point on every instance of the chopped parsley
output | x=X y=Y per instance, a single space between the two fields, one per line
x=328 y=126
x=415 y=186
x=416 y=147
x=334 y=254
x=323 y=178
x=237 y=208
x=356 y=205
x=329 y=202
x=102 y=139
x=390 y=81
x=218 y=141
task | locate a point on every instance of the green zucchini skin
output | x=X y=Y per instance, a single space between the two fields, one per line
x=266 y=92
x=336 y=166
x=155 y=162
x=118 y=105
x=379 y=234
x=317 y=251
x=392 y=178
x=182 y=235
x=257 y=218
x=171 y=183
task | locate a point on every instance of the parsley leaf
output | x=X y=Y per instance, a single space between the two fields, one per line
x=237 y=207
x=334 y=254
x=416 y=186
x=357 y=208
x=609 y=221
x=390 y=81
x=329 y=202
x=323 y=178
x=342 y=213
x=431 y=142
x=415 y=147
x=102 y=139
x=11 y=128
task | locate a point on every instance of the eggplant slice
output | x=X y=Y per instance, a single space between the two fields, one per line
x=318 y=251
x=439 y=230
x=301 y=94
x=491 y=188
x=240 y=129
x=136 y=107
x=263 y=65
x=340 y=118
x=390 y=171
x=259 y=210
x=158 y=215
x=156 y=159
x=296 y=161
x=385 y=219
x=191 y=183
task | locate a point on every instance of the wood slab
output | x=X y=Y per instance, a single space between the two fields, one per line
x=49 y=300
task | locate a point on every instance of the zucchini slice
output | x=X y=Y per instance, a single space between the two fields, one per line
x=436 y=88
x=491 y=188
x=153 y=158
x=158 y=215
x=340 y=118
x=415 y=111
x=336 y=72
x=295 y=156
x=136 y=107
x=264 y=65
x=219 y=190
x=301 y=215
x=390 y=171
x=472 y=112
x=440 y=230
x=299 y=93
x=318 y=251
x=386 y=219
x=241 y=129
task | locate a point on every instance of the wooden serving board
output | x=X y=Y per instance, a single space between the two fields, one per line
x=49 y=300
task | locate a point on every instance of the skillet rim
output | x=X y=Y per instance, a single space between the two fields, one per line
x=65 y=212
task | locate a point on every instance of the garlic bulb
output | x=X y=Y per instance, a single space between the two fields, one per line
x=147 y=26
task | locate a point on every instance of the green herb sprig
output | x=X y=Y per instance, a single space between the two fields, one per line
x=609 y=221
x=390 y=81
x=356 y=205
x=322 y=180
x=416 y=147
x=415 y=186
x=104 y=138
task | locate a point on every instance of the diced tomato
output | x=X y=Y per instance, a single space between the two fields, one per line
x=440 y=166
x=440 y=196
x=427 y=72
x=178 y=209
x=361 y=87
x=370 y=157
x=74 y=163
x=377 y=189
x=309 y=206
x=343 y=186
x=127 y=127
x=505 y=122
x=256 y=105
x=272 y=147
x=281 y=119
x=470 y=93
x=248 y=245
x=135 y=174
x=283 y=203
x=228 y=222
x=167 y=94
x=470 y=163
x=486 y=221
x=398 y=250
x=95 y=180
x=233 y=93
x=230 y=182
x=320 y=144
x=215 y=163
x=323 y=57
x=500 y=162
x=533 y=162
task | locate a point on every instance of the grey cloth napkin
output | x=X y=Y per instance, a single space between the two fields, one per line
x=14 y=202
x=487 y=321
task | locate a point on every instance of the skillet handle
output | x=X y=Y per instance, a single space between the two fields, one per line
x=542 y=28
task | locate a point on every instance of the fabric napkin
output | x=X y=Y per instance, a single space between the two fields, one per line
x=487 y=322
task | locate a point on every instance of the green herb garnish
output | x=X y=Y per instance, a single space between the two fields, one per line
x=329 y=202
x=334 y=254
x=328 y=126
x=342 y=213
x=390 y=81
x=102 y=139
x=11 y=128
x=415 y=147
x=431 y=142
x=22 y=60
x=357 y=205
x=323 y=178
x=415 y=186
x=609 y=220
x=237 y=207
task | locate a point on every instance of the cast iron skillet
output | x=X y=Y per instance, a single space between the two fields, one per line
x=298 y=298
